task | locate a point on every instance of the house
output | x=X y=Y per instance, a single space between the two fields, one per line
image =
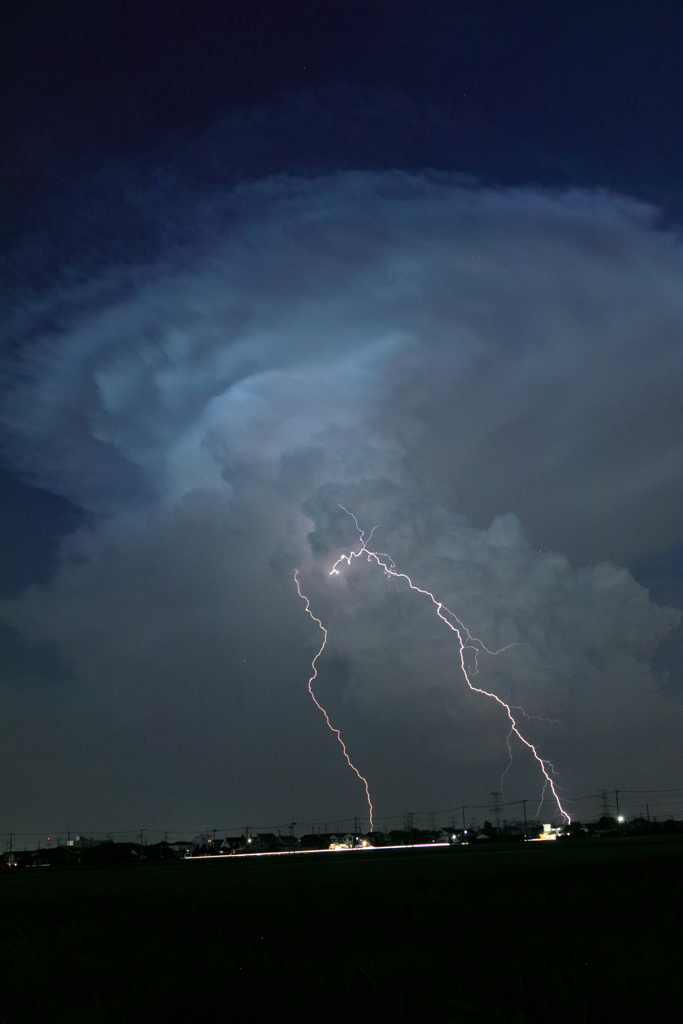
x=234 y=844
x=265 y=842
x=341 y=842
x=181 y=847
x=351 y=841
x=399 y=838
x=203 y=845
x=314 y=841
x=290 y=843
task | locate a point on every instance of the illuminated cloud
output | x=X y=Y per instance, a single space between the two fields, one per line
x=452 y=362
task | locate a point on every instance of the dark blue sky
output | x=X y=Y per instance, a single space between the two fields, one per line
x=127 y=126
x=526 y=90
x=101 y=97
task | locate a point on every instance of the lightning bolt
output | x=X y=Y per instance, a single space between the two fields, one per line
x=317 y=703
x=465 y=642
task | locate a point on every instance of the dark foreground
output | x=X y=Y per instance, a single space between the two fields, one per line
x=562 y=931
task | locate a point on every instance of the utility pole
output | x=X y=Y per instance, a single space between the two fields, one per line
x=464 y=808
x=649 y=825
x=409 y=825
x=616 y=797
x=291 y=827
x=525 y=825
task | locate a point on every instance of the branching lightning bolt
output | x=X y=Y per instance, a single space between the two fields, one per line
x=465 y=641
x=317 y=702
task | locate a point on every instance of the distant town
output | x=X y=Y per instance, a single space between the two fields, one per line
x=88 y=850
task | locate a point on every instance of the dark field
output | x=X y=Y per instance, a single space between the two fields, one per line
x=563 y=931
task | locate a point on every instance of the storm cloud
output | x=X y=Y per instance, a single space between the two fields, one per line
x=492 y=377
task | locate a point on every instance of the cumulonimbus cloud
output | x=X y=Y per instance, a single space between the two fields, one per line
x=442 y=355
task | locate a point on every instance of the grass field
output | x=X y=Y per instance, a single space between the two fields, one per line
x=574 y=931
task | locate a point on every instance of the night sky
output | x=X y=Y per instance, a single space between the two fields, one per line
x=419 y=259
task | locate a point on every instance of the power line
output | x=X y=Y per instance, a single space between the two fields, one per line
x=604 y=796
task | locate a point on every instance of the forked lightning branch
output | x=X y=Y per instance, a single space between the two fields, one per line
x=465 y=642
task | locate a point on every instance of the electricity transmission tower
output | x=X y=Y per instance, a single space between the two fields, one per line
x=605 y=808
x=496 y=796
